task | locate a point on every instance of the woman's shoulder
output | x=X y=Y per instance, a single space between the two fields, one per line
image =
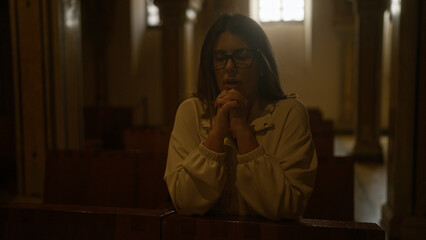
x=290 y=104
x=291 y=110
x=191 y=104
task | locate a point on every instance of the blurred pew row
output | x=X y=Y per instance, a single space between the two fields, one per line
x=134 y=179
x=333 y=195
x=106 y=178
x=54 y=221
x=133 y=176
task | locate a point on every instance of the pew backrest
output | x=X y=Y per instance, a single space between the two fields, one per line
x=333 y=194
x=106 y=178
x=53 y=221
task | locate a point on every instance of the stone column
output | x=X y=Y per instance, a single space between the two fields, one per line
x=46 y=50
x=344 y=25
x=404 y=214
x=67 y=86
x=29 y=80
x=368 y=49
x=177 y=35
x=98 y=17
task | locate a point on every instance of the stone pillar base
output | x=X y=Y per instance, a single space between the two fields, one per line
x=402 y=226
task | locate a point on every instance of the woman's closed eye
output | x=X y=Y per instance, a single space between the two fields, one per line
x=219 y=57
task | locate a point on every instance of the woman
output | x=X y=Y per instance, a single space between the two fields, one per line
x=241 y=147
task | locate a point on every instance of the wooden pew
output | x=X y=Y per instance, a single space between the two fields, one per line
x=66 y=177
x=182 y=227
x=152 y=143
x=104 y=126
x=147 y=140
x=52 y=221
x=333 y=195
x=151 y=189
x=133 y=178
x=322 y=133
x=105 y=178
x=112 y=178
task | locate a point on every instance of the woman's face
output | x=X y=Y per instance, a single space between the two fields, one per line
x=243 y=77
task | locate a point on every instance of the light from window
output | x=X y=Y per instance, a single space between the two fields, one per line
x=153 y=14
x=281 y=10
x=396 y=6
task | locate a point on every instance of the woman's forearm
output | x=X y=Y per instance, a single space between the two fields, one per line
x=246 y=141
x=214 y=142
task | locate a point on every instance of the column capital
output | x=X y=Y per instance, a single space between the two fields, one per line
x=185 y=4
x=343 y=19
x=369 y=6
x=179 y=10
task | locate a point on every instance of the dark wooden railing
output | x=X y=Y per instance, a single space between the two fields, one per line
x=54 y=221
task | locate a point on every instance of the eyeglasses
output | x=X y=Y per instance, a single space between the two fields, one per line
x=241 y=58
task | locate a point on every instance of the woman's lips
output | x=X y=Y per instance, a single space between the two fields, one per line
x=230 y=84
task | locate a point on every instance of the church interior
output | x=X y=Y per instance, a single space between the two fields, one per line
x=89 y=90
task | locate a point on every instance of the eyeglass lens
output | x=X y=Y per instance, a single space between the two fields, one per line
x=242 y=58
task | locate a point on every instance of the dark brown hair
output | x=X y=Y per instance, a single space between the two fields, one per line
x=269 y=87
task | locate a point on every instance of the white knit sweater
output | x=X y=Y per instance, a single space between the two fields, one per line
x=275 y=180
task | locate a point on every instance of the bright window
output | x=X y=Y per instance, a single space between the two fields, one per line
x=281 y=10
x=153 y=14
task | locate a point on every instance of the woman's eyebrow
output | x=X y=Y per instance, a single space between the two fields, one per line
x=241 y=49
x=235 y=50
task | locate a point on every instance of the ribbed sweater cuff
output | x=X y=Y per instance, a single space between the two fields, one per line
x=212 y=155
x=250 y=156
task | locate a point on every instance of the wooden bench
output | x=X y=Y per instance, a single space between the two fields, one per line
x=105 y=178
x=53 y=221
x=182 y=227
x=322 y=133
x=333 y=195
x=134 y=177
x=104 y=126
x=147 y=140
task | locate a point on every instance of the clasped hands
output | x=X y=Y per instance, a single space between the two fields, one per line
x=232 y=113
x=231 y=120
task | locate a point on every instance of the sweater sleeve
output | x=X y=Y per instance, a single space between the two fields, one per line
x=278 y=184
x=194 y=174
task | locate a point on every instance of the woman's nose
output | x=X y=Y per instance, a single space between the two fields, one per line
x=230 y=64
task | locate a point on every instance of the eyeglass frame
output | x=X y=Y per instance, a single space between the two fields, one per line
x=231 y=56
